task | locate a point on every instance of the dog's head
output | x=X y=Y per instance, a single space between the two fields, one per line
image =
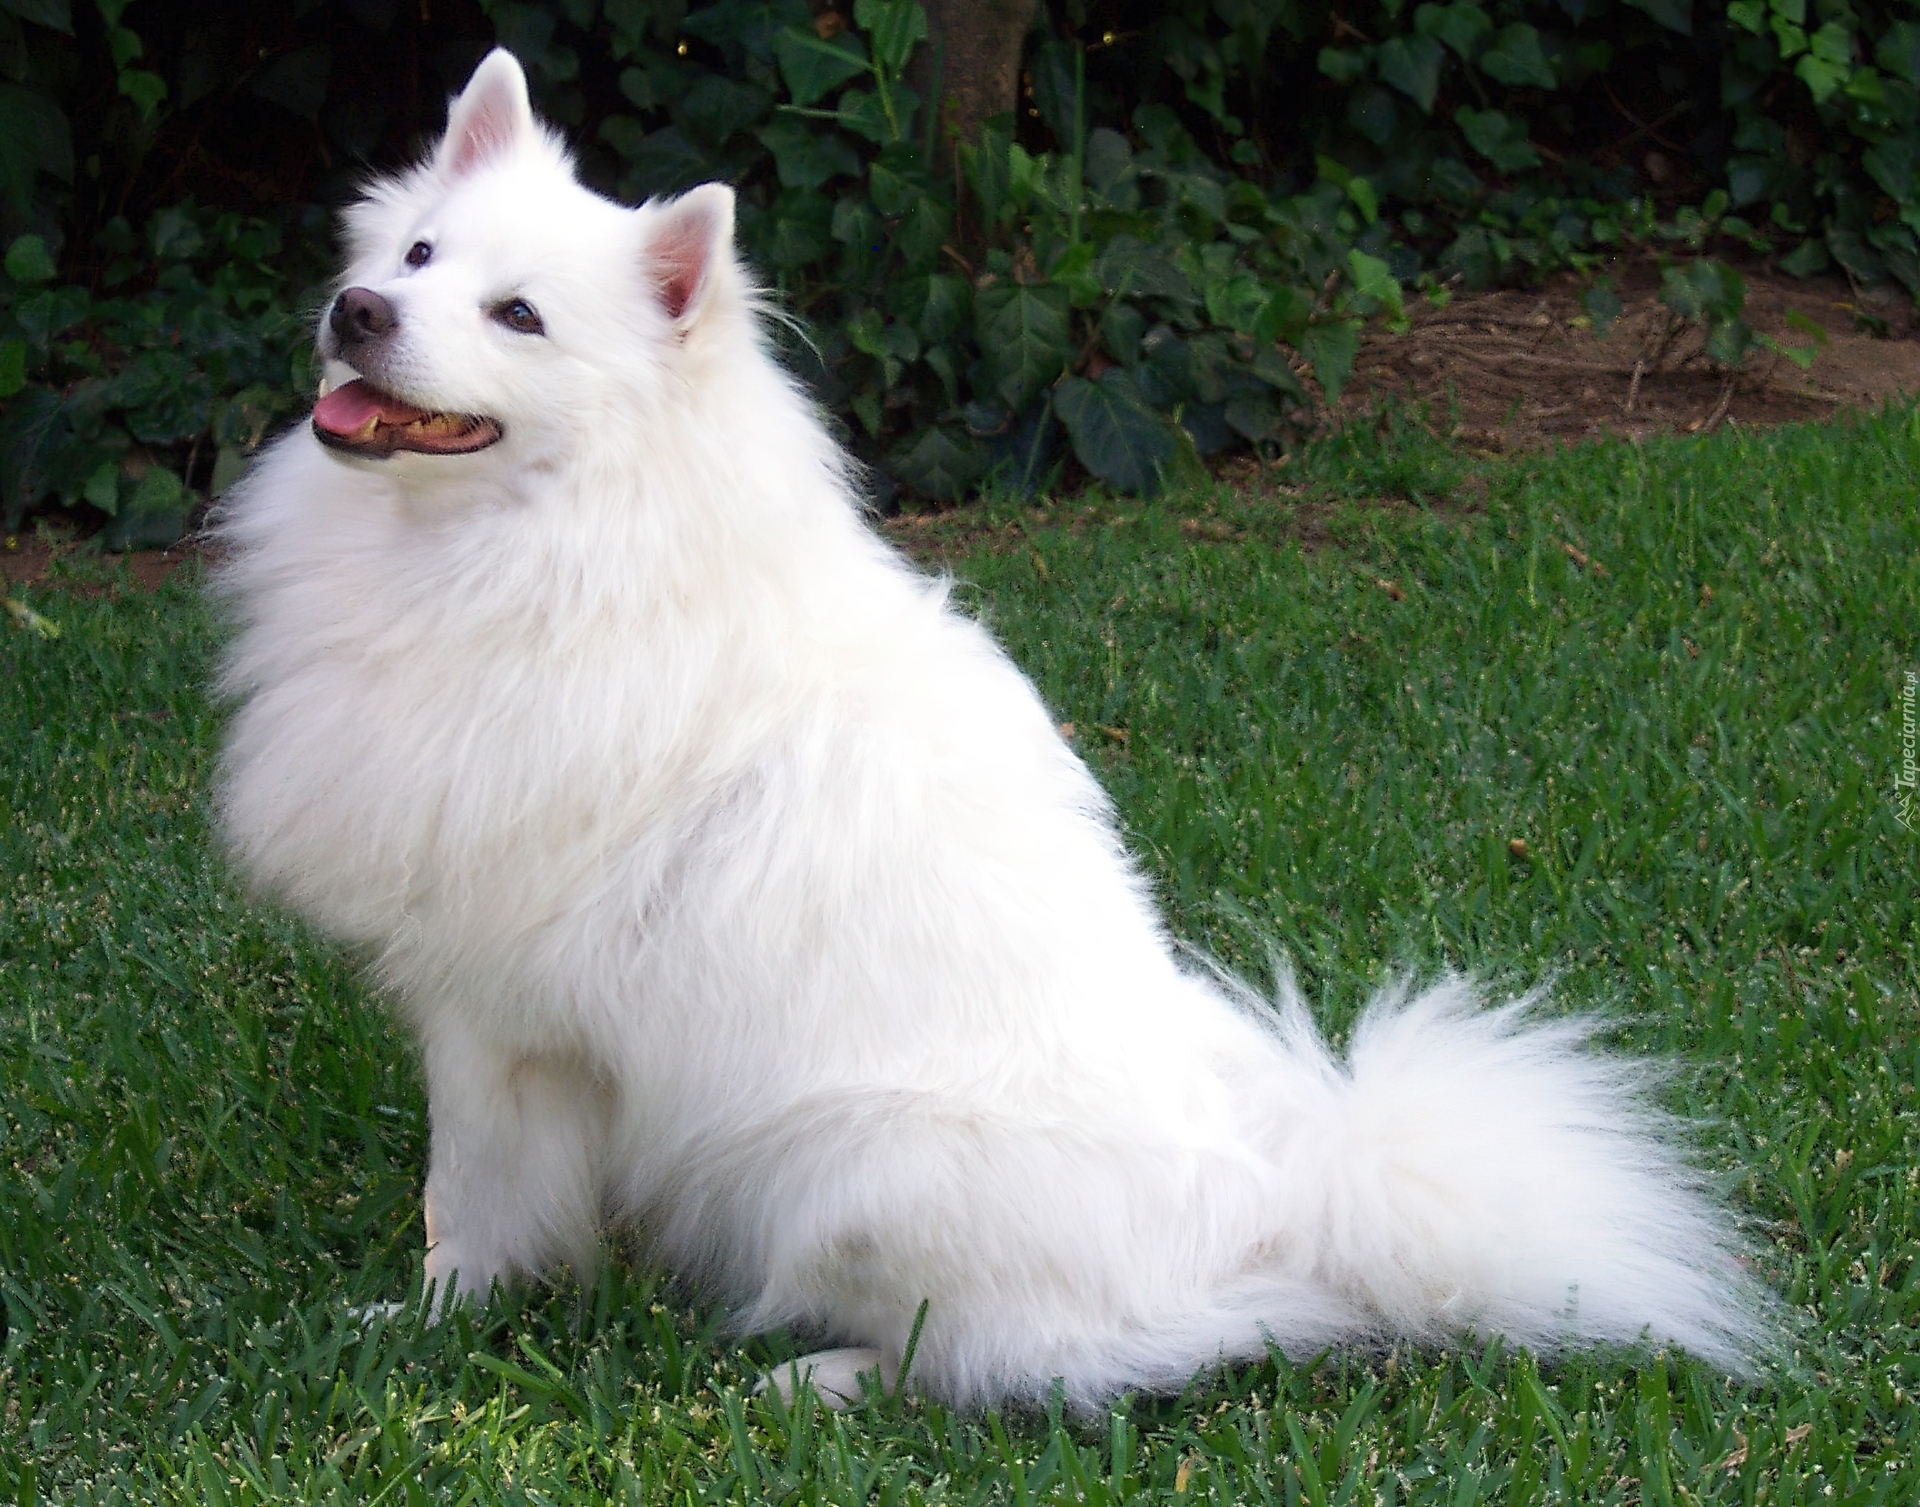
x=488 y=294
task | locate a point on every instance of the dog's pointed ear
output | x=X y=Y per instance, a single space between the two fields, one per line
x=686 y=246
x=488 y=118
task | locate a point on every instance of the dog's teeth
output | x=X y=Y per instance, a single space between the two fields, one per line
x=325 y=387
x=365 y=431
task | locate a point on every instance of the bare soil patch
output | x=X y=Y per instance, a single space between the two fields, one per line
x=63 y=556
x=1515 y=370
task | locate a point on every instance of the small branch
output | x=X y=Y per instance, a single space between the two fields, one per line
x=1712 y=420
x=1649 y=129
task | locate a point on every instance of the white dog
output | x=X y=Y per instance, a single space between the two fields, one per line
x=742 y=892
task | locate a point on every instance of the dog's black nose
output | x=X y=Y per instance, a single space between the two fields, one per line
x=360 y=314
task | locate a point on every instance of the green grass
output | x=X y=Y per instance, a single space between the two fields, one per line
x=214 y=1136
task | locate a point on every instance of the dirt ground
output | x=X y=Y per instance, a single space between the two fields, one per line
x=1515 y=370
x=1508 y=371
x=33 y=558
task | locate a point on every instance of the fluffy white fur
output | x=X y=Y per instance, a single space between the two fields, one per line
x=742 y=892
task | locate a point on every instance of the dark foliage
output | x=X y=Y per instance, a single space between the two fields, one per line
x=1170 y=248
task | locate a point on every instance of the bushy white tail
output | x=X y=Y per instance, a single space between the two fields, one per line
x=1484 y=1169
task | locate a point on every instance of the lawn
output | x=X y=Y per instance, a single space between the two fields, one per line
x=1624 y=718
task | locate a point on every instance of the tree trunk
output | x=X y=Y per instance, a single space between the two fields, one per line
x=972 y=60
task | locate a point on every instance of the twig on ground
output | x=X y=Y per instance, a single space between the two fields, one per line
x=1633 y=387
x=1649 y=129
x=1712 y=420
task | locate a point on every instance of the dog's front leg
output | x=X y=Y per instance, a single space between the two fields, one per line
x=513 y=1181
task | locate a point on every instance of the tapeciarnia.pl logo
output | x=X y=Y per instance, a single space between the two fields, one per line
x=1906 y=784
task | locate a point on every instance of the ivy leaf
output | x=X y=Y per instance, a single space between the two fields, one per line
x=862 y=112
x=55 y=15
x=1829 y=62
x=1853 y=253
x=1236 y=302
x=661 y=161
x=1462 y=27
x=1024 y=333
x=895 y=186
x=13 y=366
x=1049 y=73
x=1254 y=414
x=814 y=68
x=1342 y=64
x=894 y=26
x=28 y=262
x=804 y=156
x=1331 y=346
x=922 y=230
x=296 y=80
x=124 y=46
x=29 y=428
x=1728 y=340
x=1675 y=15
x=1272 y=368
x=1808 y=259
x=146 y=90
x=1891 y=164
x=1412 y=65
x=1117 y=434
x=936 y=305
x=1603 y=307
x=102 y=489
x=1284 y=317
x=1801 y=356
x=1372 y=113
x=1498 y=137
x=34 y=137
x=1073 y=270
x=937 y=462
x=1107 y=160
x=865 y=330
x=716 y=107
x=1711 y=294
x=1134 y=269
x=801 y=229
x=1515 y=58
x=174 y=234
x=1704 y=289
x=1122 y=328
x=156 y=492
x=153 y=517
x=1374 y=279
x=1899 y=51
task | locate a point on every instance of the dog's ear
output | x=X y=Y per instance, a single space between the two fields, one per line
x=686 y=244
x=487 y=118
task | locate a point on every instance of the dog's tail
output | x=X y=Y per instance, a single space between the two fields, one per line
x=1484 y=1170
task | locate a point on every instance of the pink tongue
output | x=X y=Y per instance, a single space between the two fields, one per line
x=346 y=409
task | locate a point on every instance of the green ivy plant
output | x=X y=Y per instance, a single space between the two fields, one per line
x=1172 y=249
x=143 y=401
x=1123 y=298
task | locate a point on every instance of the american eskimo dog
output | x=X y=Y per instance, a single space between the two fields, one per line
x=742 y=893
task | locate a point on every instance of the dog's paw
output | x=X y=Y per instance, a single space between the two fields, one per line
x=834 y=1374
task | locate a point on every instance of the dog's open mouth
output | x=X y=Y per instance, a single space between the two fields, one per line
x=358 y=417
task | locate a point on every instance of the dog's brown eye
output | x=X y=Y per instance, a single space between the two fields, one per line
x=418 y=254
x=518 y=314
